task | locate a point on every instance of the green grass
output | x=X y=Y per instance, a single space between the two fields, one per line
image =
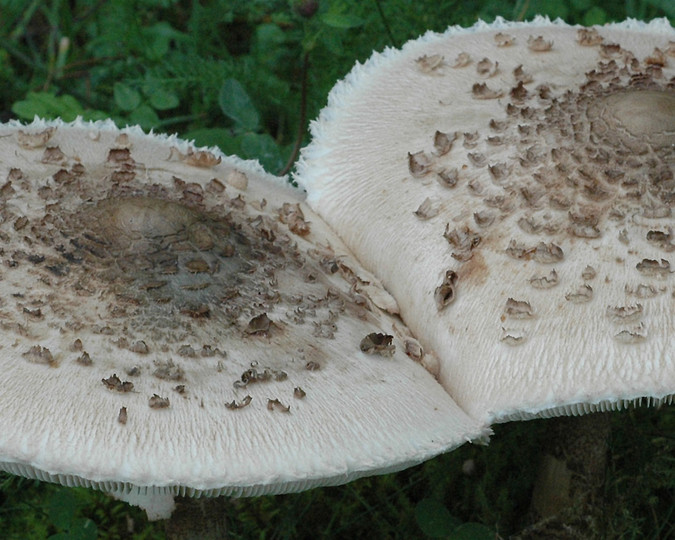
x=230 y=73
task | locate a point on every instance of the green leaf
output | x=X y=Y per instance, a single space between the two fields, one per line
x=666 y=5
x=269 y=47
x=158 y=38
x=552 y=8
x=145 y=116
x=269 y=35
x=263 y=148
x=237 y=105
x=92 y=115
x=70 y=108
x=47 y=105
x=162 y=99
x=83 y=529
x=341 y=20
x=222 y=138
x=27 y=110
x=435 y=519
x=595 y=15
x=581 y=5
x=61 y=508
x=126 y=98
x=472 y=531
x=333 y=42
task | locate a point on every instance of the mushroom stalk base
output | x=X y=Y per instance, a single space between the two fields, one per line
x=198 y=519
x=571 y=475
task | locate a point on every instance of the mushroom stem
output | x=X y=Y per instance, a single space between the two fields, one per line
x=571 y=472
x=198 y=519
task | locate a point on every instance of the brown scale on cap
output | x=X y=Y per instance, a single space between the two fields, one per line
x=378 y=343
x=40 y=355
x=463 y=59
x=625 y=314
x=445 y=294
x=588 y=37
x=580 y=295
x=545 y=281
x=596 y=156
x=234 y=405
x=487 y=68
x=158 y=402
x=115 y=383
x=84 y=359
x=427 y=209
x=277 y=405
x=504 y=40
x=539 y=44
x=518 y=309
x=430 y=64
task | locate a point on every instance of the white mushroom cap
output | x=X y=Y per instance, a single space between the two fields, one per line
x=512 y=185
x=175 y=321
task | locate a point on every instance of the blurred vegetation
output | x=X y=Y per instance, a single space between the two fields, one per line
x=247 y=76
x=228 y=73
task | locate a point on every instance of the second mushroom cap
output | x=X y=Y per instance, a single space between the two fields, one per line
x=546 y=154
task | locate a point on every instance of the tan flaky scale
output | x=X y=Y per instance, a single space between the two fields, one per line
x=139 y=256
x=557 y=226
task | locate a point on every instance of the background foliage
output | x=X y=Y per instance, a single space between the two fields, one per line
x=246 y=75
x=228 y=72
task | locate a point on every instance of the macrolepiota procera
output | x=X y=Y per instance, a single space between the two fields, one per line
x=512 y=185
x=176 y=322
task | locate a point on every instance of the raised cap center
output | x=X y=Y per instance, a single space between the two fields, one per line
x=120 y=221
x=641 y=116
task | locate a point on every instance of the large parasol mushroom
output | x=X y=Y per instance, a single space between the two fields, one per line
x=178 y=322
x=513 y=185
x=523 y=174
